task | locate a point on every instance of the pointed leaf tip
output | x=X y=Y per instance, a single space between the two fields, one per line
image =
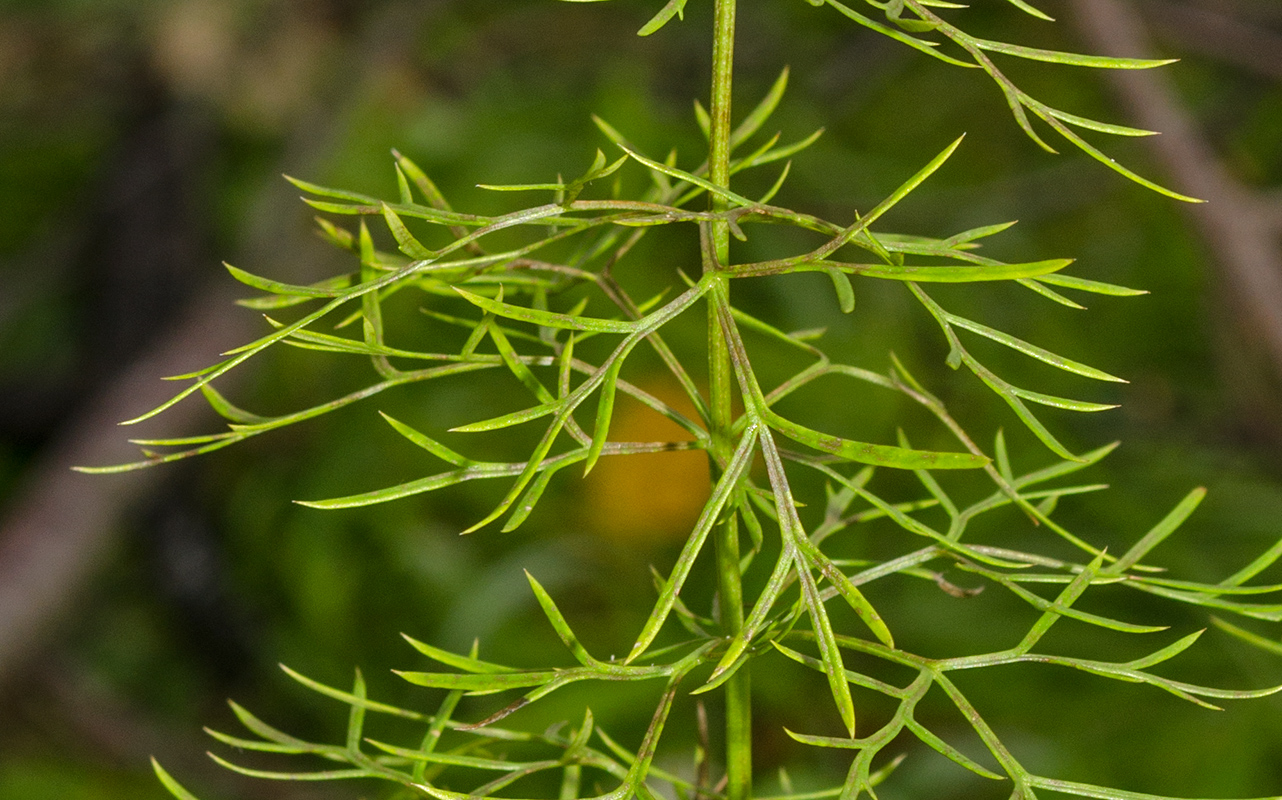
x=167 y=780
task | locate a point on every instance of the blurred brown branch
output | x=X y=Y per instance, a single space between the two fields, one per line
x=59 y=526
x=1237 y=223
x=1216 y=33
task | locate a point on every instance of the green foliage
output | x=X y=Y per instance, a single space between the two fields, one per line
x=536 y=295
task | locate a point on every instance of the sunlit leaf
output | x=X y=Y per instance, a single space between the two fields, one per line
x=174 y=788
x=1039 y=353
x=1072 y=59
x=875 y=454
x=547 y=318
x=673 y=8
x=1159 y=532
x=759 y=114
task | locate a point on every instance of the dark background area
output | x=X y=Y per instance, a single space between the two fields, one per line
x=141 y=144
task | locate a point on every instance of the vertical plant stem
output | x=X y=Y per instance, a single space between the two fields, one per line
x=730 y=589
x=719 y=135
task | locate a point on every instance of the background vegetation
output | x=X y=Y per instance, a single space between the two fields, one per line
x=140 y=144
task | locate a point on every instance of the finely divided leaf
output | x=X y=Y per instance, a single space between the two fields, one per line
x=548 y=319
x=758 y=116
x=674 y=8
x=559 y=623
x=1073 y=59
x=1041 y=354
x=874 y=454
x=1159 y=532
x=174 y=787
x=427 y=443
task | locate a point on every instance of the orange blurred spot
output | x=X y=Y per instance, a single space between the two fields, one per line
x=651 y=497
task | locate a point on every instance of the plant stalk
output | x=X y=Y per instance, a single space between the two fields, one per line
x=721 y=388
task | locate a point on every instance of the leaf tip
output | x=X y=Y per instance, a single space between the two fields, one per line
x=478 y=525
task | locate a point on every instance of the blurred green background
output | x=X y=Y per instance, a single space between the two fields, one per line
x=141 y=144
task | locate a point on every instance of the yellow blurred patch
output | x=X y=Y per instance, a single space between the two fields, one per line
x=653 y=497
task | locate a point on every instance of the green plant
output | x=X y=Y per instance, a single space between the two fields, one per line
x=529 y=288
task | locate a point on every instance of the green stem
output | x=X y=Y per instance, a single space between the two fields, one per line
x=719 y=135
x=721 y=387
